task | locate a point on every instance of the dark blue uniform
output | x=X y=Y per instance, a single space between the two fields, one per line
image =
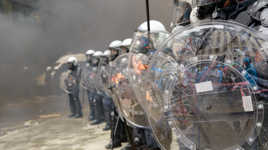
x=72 y=83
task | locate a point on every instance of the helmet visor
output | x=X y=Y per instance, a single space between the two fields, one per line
x=144 y=44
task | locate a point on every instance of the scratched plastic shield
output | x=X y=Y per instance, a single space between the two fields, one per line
x=88 y=75
x=93 y=78
x=203 y=85
x=103 y=78
x=111 y=85
x=148 y=96
x=128 y=104
x=142 y=84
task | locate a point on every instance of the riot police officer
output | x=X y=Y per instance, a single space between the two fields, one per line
x=114 y=48
x=72 y=84
x=124 y=48
x=107 y=99
x=86 y=85
x=118 y=130
x=99 y=113
x=144 y=48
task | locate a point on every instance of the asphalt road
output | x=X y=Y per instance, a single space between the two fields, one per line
x=41 y=123
x=24 y=109
x=56 y=134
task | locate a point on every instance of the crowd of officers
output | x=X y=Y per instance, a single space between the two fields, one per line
x=101 y=104
x=86 y=77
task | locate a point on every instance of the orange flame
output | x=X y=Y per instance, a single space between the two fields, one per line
x=118 y=77
x=149 y=97
x=138 y=66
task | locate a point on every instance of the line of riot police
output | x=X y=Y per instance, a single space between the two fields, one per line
x=179 y=90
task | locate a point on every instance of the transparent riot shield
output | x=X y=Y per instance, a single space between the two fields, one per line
x=98 y=81
x=150 y=97
x=203 y=86
x=141 y=80
x=128 y=104
x=140 y=56
x=103 y=78
x=111 y=89
x=89 y=78
x=88 y=85
x=63 y=88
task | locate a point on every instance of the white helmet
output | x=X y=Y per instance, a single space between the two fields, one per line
x=107 y=53
x=72 y=60
x=126 y=42
x=156 y=26
x=98 y=54
x=115 y=44
x=49 y=68
x=90 y=52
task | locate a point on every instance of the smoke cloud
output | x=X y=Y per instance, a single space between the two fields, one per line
x=30 y=43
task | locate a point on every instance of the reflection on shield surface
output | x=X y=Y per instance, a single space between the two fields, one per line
x=127 y=101
x=201 y=88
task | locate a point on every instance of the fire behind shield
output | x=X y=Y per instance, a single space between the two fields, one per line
x=110 y=85
x=148 y=97
x=128 y=104
x=139 y=58
x=202 y=90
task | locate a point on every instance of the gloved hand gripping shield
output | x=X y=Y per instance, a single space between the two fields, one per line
x=205 y=77
x=127 y=102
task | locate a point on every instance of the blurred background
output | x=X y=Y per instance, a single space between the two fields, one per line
x=34 y=34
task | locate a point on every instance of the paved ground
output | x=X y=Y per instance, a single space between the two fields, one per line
x=17 y=111
x=55 y=134
x=39 y=123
